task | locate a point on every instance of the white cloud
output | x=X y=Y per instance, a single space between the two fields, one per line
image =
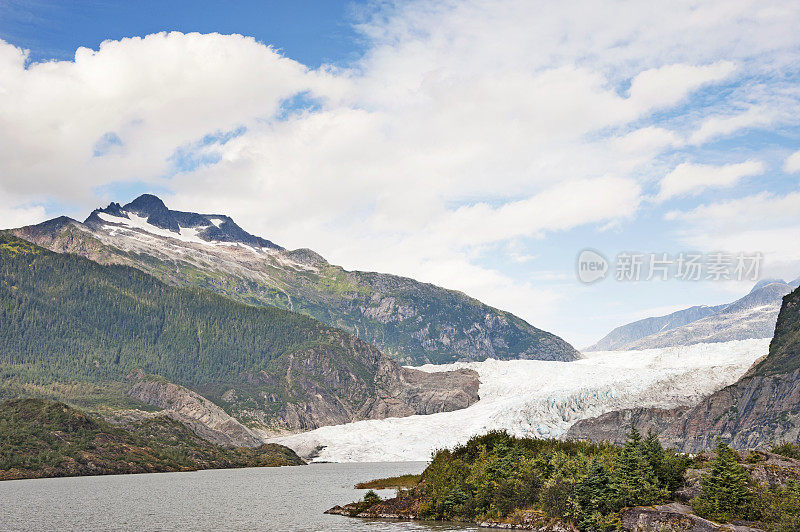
x=153 y=94
x=465 y=124
x=565 y=206
x=16 y=212
x=688 y=178
x=717 y=126
x=764 y=222
x=11 y=217
x=792 y=163
x=668 y=85
x=763 y=209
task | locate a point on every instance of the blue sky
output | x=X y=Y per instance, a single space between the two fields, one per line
x=312 y=32
x=477 y=145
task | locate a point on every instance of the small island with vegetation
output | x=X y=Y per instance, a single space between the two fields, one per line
x=501 y=481
x=42 y=438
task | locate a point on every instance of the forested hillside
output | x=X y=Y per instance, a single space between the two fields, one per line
x=412 y=322
x=65 y=319
x=40 y=438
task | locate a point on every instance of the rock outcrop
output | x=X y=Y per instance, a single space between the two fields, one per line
x=407 y=507
x=398 y=392
x=615 y=426
x=754 y=412
x=674 y=517
x=206 y=419
x=333 y=394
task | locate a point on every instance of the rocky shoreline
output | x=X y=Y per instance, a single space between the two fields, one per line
x=674 y=516
x=765 y=468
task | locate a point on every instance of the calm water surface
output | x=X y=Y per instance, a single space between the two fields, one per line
x=268 y=498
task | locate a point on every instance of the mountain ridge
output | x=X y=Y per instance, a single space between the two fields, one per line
x=751 y=316
x=150 y=208
x=761 y=408
x=69 y=320
x=413 y=322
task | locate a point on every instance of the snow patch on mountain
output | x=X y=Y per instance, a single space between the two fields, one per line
x=540 y=399
x=134 y=221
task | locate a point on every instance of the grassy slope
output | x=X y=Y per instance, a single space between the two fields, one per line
x=40 y=438
x=400 y=482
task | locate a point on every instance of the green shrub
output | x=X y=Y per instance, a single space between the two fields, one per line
x=371 y=498
x=787 y=449
x=777 y=508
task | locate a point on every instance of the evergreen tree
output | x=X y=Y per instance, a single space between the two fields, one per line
x=371 y=498
x=635 y=480
x=725 y=494
x=667 y=465
x=594 y=495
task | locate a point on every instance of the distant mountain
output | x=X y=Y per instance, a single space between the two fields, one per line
x=763 y=407
x=627 y=334
x=412 y=322
x=113 y=336
x=752 y=316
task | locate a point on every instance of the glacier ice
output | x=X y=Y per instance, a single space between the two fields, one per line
x=540 y=399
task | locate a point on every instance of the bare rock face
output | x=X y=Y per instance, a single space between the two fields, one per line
x=673 y=517
x=205 y=418
x=752 y=413
x=692 y=485
x=410 y=391
x=774 y=470
x=615 y=426
x=333 y=395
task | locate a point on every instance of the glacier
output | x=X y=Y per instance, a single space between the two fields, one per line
x=540 y=399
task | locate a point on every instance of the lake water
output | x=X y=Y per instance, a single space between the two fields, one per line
x=267 y=498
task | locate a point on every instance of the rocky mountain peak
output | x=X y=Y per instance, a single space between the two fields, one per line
x=148 y=213
x=147 y=203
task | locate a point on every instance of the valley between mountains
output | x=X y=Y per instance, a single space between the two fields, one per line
x=141 y=311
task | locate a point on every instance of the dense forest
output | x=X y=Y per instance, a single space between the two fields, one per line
x=67 y=323
x=493 y=475
x=521 y=481
x=40 y=438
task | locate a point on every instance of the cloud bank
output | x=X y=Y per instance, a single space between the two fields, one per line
x=465 y=127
